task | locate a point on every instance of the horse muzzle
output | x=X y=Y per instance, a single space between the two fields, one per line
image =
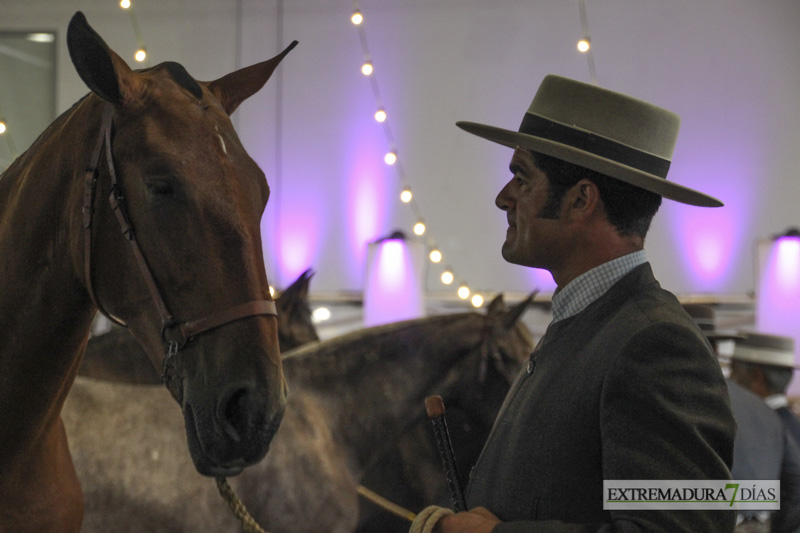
x=234 y=431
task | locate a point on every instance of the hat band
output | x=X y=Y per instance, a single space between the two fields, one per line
x=539 y=126
x=764 y=356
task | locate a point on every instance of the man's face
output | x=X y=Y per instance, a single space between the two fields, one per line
x=744 y=376
x=532 y=235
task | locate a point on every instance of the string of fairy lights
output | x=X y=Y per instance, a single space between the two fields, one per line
x=406 y=196
x=435 y=255
x=141 y=51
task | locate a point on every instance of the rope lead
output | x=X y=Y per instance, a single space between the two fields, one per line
x=249 y=523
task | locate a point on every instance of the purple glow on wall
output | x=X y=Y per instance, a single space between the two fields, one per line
x=296 y=237
x=368 y=206
x=542 y=280
x=708 y=239
x=393 y=282
x=778 y=304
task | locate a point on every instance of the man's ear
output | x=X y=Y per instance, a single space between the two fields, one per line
x=584 y=199
x=759 y=382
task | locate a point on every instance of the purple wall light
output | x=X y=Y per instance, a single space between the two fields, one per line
x=393 y=281
x=778 y=298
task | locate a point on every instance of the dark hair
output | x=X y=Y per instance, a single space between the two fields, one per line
x=630 y=209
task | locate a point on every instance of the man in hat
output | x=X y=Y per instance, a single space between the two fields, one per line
x=623 y=385
x=764 y=364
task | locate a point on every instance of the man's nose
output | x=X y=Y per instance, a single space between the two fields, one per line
x=503 y=200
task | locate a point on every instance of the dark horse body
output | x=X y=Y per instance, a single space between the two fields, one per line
x=195 y=199
x=351 y=399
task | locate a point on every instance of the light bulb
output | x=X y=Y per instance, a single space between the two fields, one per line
x=2 y=127
x=463 y=292
x=271 y=291
x=366 y=68
x=140 y=55
x=125 y=4
x=477 y=300
x=357 y=17
x=390 y=158
x=380 y=115
x=583 y=45
x=419 y=228
x=321 y=314
x=41 y=37
x=436 y=255
x=447 y=277
x=406 y=195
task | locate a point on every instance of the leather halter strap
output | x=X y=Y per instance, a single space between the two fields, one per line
x=175 y=334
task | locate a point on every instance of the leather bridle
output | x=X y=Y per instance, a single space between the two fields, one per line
x=174 y=333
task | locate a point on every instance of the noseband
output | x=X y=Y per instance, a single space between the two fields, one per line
x=174 y=333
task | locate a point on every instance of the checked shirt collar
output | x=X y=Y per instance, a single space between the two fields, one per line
x=591 y=285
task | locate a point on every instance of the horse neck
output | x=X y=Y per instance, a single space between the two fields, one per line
x=373 y=383
x=45 y=313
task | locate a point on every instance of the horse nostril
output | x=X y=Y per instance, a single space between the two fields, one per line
x=234 y=413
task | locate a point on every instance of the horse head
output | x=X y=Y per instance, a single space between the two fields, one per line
x=186 y=272
x=295 y=327
x=506 y=345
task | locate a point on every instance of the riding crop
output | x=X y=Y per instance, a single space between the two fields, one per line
x=435 y=407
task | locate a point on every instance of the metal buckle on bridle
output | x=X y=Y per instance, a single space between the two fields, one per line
x=169 y=373
x=172 y=349
x=118 y=206
x=178 y=341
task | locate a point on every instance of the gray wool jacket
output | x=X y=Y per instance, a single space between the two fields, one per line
x=628 y=388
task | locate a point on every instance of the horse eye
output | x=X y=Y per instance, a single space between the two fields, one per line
x=160 y=187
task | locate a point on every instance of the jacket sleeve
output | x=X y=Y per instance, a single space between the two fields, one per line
x=787 y=520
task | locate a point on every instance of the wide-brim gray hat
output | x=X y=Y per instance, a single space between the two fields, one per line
x=703 y=316
x=764 y=349
x=608 y=132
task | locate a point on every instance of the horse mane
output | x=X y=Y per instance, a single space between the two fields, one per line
x=320 y=358
x=43 y=137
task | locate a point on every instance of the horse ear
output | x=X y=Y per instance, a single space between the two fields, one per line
x=304 y=282
x=497 y=306
x=234 y=88
x=285 y=302
x=102 y=70
x=295 y=294
x=517 y=311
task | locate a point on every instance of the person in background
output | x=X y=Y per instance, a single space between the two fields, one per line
x=623 y=385
x=765 y=365
x=763 y=448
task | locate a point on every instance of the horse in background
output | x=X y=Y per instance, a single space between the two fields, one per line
x=411 y=474
x=116 y=356
x=352 y=398
x=174 y=253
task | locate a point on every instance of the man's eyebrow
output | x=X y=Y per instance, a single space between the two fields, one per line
x=516 y=168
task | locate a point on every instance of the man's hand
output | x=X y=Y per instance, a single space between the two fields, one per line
x=477 y=520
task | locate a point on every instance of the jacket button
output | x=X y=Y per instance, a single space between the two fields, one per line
x=531 y=367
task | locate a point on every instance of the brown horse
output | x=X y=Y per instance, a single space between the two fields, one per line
x=116 y=356
x=352 y=398
x=175 y=254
